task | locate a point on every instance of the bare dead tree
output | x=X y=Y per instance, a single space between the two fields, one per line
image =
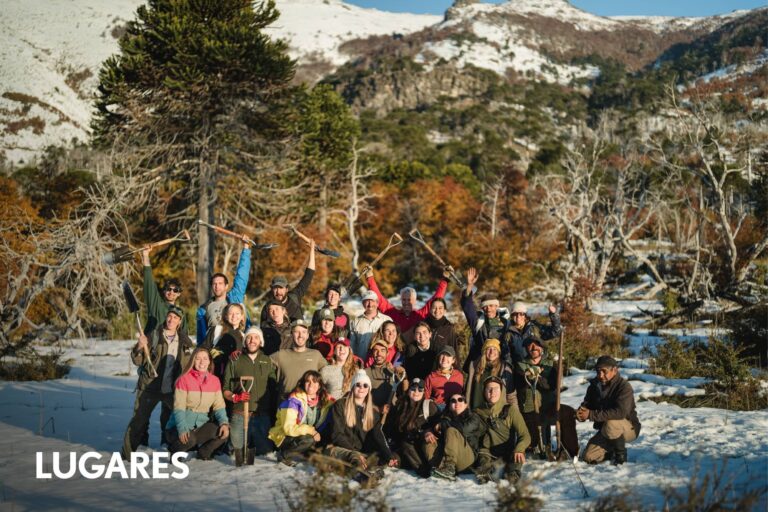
x=700 y=142
x=491 y=208
x=357 y=201
x=601 y=205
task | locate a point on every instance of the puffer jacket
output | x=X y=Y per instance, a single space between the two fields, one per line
x=290 y=417
x=532 y=329
x=197 y=394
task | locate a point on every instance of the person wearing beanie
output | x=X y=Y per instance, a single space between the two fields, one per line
x=446 y=380
x=506 y=437
x=341 y=320
x=489 y=364
x=523 y=328
x=356 y=431
x=258 y=393
x=292 y=363
x=366 y=325
x=610 y=404
x=407 y=424
x=491 y=323
x=536 y=383
x=291 y=299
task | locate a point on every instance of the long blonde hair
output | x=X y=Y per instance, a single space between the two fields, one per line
x=350 y=411
x=348 y=369
x=226 y=310
x=379 y=335
x=482 y=363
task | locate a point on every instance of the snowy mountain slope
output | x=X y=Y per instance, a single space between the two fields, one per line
x=90 y=409
x=50 y=53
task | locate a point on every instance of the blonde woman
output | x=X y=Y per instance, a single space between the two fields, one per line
x=489 y=364
x=224 y=339
x=338 y=375
x=356 y=434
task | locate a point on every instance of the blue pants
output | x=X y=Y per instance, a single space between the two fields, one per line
x=258 y=427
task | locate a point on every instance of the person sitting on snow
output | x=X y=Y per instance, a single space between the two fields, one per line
x=610 y=404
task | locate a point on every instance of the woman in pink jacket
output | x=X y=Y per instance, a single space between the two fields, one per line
x=198 y=393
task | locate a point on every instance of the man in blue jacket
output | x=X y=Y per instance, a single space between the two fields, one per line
x=209 y=313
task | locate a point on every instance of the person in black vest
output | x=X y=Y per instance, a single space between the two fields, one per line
x=492 y=323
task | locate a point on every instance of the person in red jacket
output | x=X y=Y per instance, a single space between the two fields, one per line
x=406 y=316
x=446 y=381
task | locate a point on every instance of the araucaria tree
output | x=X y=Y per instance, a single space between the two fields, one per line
x=195 y=95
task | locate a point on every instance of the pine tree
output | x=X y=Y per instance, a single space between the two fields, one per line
x=196 y=88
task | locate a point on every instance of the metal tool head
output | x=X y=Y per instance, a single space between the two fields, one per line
x=130 y=298
x=119 y=255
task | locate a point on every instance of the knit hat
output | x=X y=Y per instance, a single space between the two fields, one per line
x=255 y=331
x=606 y=362
x=492 y=342
x=490 y=299
x=370 y=295
x=327 y=314
x=519 y=307
x=361 y=376
x=279 y=281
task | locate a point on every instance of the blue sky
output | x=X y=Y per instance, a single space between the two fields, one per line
x=601 y=7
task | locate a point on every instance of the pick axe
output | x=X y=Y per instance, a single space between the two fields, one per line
x=227 y=232
x=354 y=277
x=125 y=253
x=324 y=251
x=414 y=234
x=133 y=307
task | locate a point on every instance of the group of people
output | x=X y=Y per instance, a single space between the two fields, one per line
x=386 y=388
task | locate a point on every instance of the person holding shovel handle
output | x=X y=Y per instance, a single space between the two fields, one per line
x=158 y=301
x=250 y=384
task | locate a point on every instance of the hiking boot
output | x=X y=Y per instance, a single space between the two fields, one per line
x=619 y=451
x=445 y=470
x=287 y=460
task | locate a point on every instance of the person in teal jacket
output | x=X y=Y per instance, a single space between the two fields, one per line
x=209 y=313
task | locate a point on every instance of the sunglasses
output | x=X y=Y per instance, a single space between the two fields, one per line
x=459 y=400
x=363 y=385
x=173 y=289
x=417 y=388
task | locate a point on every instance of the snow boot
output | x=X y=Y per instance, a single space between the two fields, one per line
x=619 y=451
x=445 y=470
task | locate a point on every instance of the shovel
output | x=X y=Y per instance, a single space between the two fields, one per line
x=133 y=307
x=246 y=383
x=125 y=253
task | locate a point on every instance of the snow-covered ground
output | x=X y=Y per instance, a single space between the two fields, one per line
x=89 y=409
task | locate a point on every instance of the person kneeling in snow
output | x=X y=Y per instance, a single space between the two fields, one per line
x=460 y=431
x=301 y=418
x=505 y=427
x=197 y=395
x=610 y=403
x=356 y=434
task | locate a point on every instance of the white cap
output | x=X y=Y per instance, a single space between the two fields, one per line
x=519 y=307
x=370 y=295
